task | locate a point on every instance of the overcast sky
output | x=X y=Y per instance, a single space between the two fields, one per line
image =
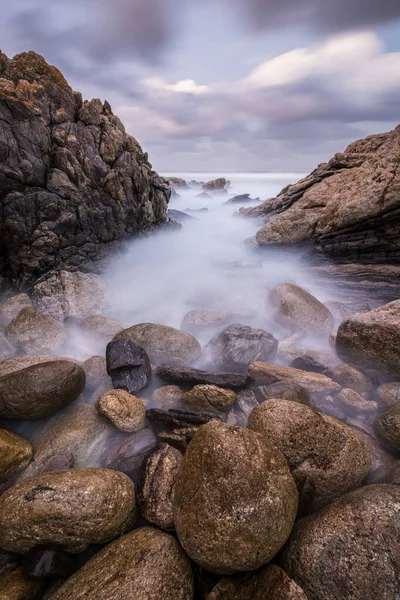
x=225 y=85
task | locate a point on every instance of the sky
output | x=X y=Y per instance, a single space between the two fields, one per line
x=225 y=85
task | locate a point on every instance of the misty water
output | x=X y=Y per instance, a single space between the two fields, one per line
x=160 y=277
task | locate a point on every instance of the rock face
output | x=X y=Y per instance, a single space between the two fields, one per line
x=163 y=344
x=350 y=549
x=238 y=346
x=72 y=509
x=235 y=500
x=146 y=563
x=298 y=310
x=72 y=181
x=372 y=339
x=47 y=387
x=347 y=209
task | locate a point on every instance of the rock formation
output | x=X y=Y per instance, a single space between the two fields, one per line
x=72 y=181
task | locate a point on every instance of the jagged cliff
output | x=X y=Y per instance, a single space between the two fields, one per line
x=72 y=181
x=347 y=210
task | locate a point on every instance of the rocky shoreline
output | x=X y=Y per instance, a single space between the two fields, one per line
x=239 y=456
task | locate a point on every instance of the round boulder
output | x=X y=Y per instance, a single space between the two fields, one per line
x=71 y=509
x=125 y=411
x=209 y=397
x=100 y=328
x=40 y=390
x=146 y=563
x=351 y=377
x=32 y=333
x=387 y=428
x=388 y=394
x=11 y=307
x=238 y=346
x=350 y=549
x=235 y=500
x=15 y=454
x=324 y=450
x=298 y=310
x=201 y=319
x=163 y=344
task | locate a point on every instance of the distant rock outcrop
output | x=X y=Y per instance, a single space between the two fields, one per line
x=72 y=181
x=347 y=210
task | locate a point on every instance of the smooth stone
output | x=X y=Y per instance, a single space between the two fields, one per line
x=200 y=319
x=11 y=307
x=350 y=376
x=349 y=550
x=205 y=397
x=15 y=454
x=265 y=374
x=146 y=563
x=72 y=509
x=387 y=428
x=157 y=493
x=100 y=328
x=95 y=369
x=235 y=500
x=286 y=391
x=353 y=403
x=47 y=387
x=128 y=365
x=125 y=411
x=32 y=333
x=163 y=344
x=195 y=376
x=17 y=363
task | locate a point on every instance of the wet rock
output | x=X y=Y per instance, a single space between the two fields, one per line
x=387 y=428
x=286 y=391
x=168 y=396
x=46 y=562
x=32 y=333
x=63 y=295
x=298 y=310
x=126 y=412
x=157 y=493
x=388 y=394
x=350 y=376
x=353 y=403
x=11 y=307
x=100 y=329
x=128 y=453
x=348 y=551
x=6 y=348
x=180 y=418
x=163 y=344
x=71 y=509
x=178 y=437
x=370 y=339
x=47 y=387
x=238 y=346
x=128 y=365
x=201 y=319
x=195 y=376
x=209 y=397
x=146 y=563
x=177 y=182
x=72 y=439
x=329 y=453
x=16 y=586
x=233 y=485
x=95 y=370
x=241 y=198
x=314 y=383
x=15 y=454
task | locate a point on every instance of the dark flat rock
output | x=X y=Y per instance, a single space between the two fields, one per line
x=195 y=376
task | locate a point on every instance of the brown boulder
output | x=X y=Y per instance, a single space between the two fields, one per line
x=388 y=394
x=146 y=563
x=16 y=586
x=95 y=369
x=387 y=428
x=71 y=509
x=126 y=412
x=235 y=500
x=350 y=376
x=15 y=454
x=101 y=329
x=350 y=549
x=314 y=383
x=32 y=333
x=201 y=319
x=209 y=397
x=353 y=403
x=11 y=307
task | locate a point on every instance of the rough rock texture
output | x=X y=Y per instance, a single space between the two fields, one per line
x=201 y=319
x=235 y=500
x=347 y=209
x=65 y=295
x=163 y=344
x=209 y=397
x=125 y=411
x=350 y=376
x=100 y=328
x=18 y=587
x=11 y=307
x=72 y=181
x=349 y=550
x=168 y=396
x=6 y=348
x=286 y=391
x=266 y=374
x=15 y=454
x=239 y=345
x=328 y=452
x=46 y=388
x=387 y=428
x=298 y=310
x=144 y=564
x=372 y=339
x=157 y=494
x=388 y=394
x=71 y=508
x=32 y=333
x=128 y=365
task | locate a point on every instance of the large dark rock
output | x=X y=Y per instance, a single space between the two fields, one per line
x=348 y=209
x=195 y=376
x=72 y=181
x=128 y=365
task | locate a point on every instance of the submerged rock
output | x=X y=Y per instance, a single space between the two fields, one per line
x=11 y=307
x=32 y=333
x=387 y=428
x=201 y=319
x=235 y=500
